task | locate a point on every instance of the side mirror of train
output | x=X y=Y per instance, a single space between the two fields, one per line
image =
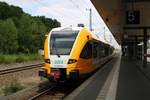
x=88 y=37
x=46 y=35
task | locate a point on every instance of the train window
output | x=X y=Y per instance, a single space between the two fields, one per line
x=106 y=51
x=111 y=50
x=95 y=49
x=87 y=51
x=101 y=50
x=61 y=42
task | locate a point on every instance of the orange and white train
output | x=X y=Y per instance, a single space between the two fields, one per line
x=73 y=53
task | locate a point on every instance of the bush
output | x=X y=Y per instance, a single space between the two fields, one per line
x=12 y=88
x=20 y=59
x=6 y=59
x=2 y=58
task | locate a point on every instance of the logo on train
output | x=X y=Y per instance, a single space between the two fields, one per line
x=58 y=62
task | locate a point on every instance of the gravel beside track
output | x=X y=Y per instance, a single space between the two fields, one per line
x=55 y=92
x=13 y=65
x=28 y=92
x=17 y=69
x=7 y=76
x=43 y=91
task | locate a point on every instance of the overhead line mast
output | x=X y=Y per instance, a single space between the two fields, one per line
x=90 y=19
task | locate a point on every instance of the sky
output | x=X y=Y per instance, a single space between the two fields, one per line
x=68 y=12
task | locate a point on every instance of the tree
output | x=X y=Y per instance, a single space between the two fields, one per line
x=7 y=11
x=48 y=22
x=30 y=34
x=21 y=32
x=40 y=33
x=8 y=37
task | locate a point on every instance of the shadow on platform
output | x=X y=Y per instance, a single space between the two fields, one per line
x=132 y=83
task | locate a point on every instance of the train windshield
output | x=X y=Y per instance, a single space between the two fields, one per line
x=61 y=42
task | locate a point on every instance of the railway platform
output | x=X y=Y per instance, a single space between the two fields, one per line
x=120 y=79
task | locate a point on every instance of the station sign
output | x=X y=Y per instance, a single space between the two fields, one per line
x=132 y=17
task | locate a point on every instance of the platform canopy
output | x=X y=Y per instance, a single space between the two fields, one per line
x=126 y=19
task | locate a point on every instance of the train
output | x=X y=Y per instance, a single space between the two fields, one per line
x=73 y=53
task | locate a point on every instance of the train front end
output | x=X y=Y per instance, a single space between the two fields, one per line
x=57 y=50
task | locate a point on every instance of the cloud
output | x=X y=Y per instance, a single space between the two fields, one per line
x=21 y=2
x=68 y=12
x=64 y=11
x=29 y=6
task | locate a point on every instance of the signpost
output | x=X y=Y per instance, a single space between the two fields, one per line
x=133 y=17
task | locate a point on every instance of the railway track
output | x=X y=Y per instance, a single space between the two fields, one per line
x=55 y=92
x=37 y=96
x=17 y=69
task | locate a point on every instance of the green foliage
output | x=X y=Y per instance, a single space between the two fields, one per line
x=7 y=59
x=49 y=23
x=18 y=58
x=8 y=36
x=2 y=59
x=12 y=88
x=7 y=11
x=21 y=32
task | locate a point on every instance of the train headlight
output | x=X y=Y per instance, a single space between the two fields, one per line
x=72 y=61
x=47 y=61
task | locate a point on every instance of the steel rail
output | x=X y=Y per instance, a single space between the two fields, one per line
x=42 y=93
x=17 y=69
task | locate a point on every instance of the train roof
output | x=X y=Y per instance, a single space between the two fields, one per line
x=94 y=36
x=67 y=29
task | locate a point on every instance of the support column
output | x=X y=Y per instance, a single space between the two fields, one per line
x=136 y=51
x=145 y=48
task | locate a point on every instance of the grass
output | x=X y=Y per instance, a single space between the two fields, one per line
x=12 y=88
x=6 y=59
